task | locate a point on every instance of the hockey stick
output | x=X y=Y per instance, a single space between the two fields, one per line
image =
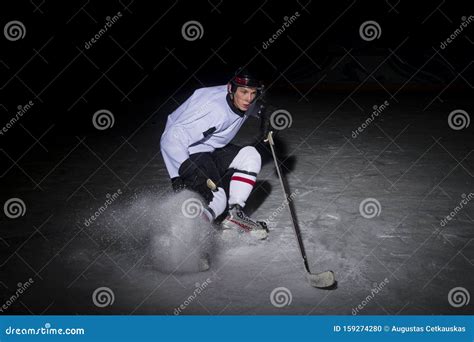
x=211 y=185
x=320 y=280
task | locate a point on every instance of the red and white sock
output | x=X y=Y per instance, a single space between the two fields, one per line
x=241 y=185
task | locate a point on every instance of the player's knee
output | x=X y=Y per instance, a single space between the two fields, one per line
x=248 y=159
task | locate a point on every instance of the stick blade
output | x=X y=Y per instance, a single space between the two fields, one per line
x=321 y=280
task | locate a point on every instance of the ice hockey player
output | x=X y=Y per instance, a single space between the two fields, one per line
x=195 y=146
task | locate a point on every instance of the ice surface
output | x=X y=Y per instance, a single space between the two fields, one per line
x=136 y=245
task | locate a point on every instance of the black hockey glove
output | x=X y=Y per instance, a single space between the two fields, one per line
x=177 y=183
x=265 y=122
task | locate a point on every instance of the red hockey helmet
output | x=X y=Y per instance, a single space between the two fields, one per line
x=244 y=78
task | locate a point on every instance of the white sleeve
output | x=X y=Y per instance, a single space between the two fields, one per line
x=174 y=149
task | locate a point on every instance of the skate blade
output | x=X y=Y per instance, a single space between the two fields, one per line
x=259 y=234
x=321 y=280
x=230 y=231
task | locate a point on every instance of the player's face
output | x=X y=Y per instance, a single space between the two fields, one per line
x=243 y=97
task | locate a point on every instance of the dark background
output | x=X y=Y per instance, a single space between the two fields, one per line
x=144 y=57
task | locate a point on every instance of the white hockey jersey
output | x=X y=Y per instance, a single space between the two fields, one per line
x=202 y=123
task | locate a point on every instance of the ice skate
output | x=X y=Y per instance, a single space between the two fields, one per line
x=238 y=220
